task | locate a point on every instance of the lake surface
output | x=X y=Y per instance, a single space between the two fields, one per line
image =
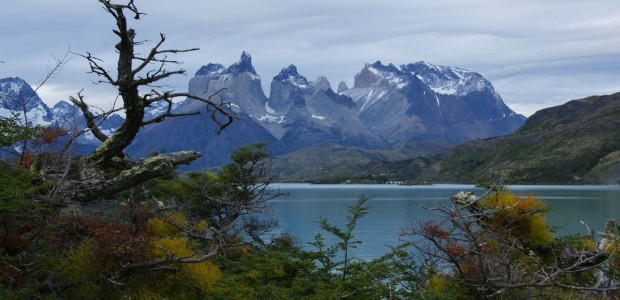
x=393 y=207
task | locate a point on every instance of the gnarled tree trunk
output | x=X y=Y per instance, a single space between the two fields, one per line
x=108 y=170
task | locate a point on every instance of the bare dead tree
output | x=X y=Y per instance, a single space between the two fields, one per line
x=135 y=72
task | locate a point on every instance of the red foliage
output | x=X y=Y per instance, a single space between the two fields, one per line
x=432 y=229
x=112 y=240
x=27 y=159
x=454 y=249
x=50 y=134
x=14 y=242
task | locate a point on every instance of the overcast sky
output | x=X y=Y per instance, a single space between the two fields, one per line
x=537 y=53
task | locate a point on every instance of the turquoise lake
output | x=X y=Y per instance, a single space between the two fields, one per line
x=394 y=206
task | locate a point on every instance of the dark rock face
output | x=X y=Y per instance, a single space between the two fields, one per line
x=342 y=86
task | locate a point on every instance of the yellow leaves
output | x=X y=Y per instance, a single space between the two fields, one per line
x=437 y=283
x=202 y=225
x=80 y=261
x=519 y=217
x=537 y=233
x=203 y=275
x=82 y=266
x=168 y=224
x=212 y=176
x=176 y=246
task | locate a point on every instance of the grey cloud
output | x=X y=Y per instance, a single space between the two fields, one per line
x=537 y=53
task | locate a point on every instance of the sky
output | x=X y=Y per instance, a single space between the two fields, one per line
x=536 y=53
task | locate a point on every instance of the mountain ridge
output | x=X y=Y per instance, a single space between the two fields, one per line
x=302 y=113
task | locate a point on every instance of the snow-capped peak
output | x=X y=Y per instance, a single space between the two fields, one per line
x=19 y=97
x=446 y=80
x=289 y=75
x=211 y=70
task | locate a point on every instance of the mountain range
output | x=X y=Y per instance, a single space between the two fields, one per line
x=387 y=107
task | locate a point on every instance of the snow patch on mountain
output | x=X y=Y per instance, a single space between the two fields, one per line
x=159 y=108
x=392 y=77
x=211 y=70
x=445 y=80
x=18 y=99
x=366 y=97
x=35 y=116
x=268 y=118
x=269 y=109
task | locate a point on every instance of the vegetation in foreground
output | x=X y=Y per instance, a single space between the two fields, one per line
x=199 y=236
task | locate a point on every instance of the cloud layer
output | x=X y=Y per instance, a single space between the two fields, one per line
x=536 y=53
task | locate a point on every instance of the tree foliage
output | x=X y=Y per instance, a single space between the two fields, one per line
x=499 y=245
x=12 y=132
x=171 y=232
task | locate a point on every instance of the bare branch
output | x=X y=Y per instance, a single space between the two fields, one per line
x=97 y=69
x=162 y=117
x=152 y=56
x=158 y=75
x=90 y=118
x=213 y=107
x=167 y=260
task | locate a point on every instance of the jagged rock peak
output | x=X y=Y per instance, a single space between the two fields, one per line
x=244 y=65
x=62 y=105
x=391 y=68
x=342 y=86
x=290 y=75
x=321 y=83
x=377 y=73
x=211 y=70
x=65 y=114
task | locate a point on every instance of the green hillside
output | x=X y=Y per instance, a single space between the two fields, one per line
x=574 y=143
x=335 y=163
